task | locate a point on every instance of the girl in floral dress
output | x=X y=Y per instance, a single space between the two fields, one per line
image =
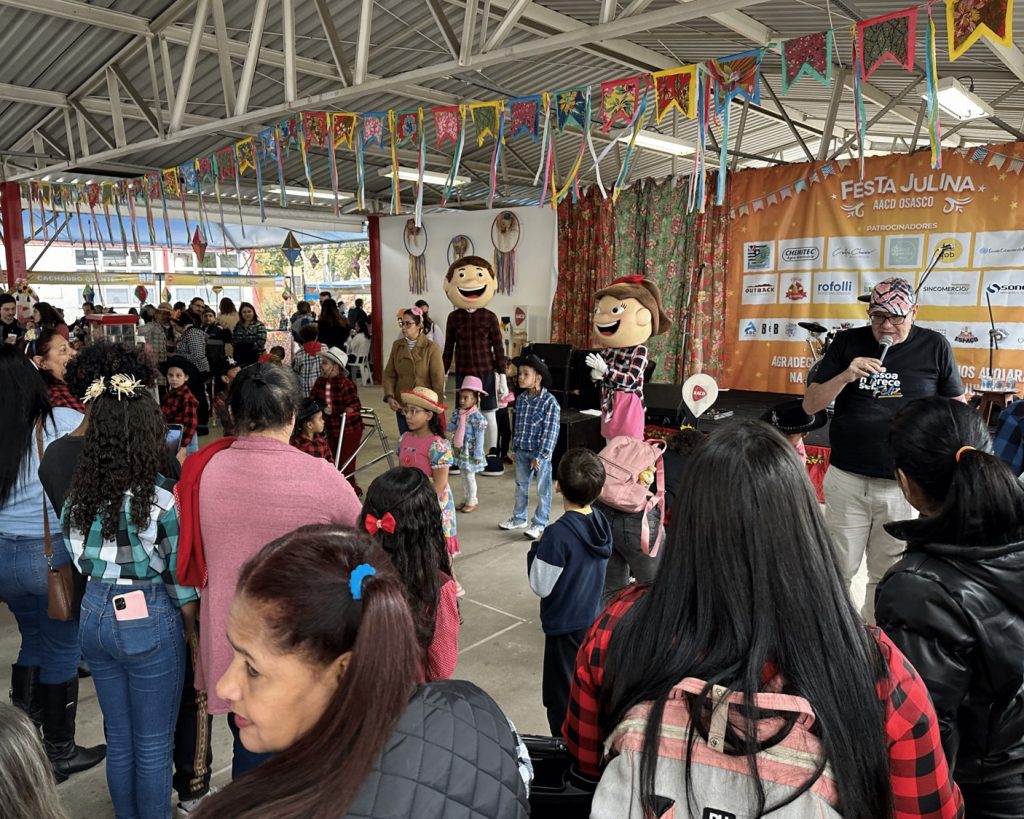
x=425 y=448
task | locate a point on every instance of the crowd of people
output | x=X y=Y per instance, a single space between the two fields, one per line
x=324 y=627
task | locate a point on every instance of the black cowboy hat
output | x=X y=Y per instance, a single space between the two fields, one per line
x=191 y=370
x=789 y=418
x=537 y=364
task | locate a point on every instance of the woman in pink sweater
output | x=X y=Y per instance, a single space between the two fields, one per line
x=251 y=493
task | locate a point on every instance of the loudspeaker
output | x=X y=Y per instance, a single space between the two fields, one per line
x=577 y=430
x=557 y=357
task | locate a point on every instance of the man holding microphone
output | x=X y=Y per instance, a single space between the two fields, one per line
x=871 y=373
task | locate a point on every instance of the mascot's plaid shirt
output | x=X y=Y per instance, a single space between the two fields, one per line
x=921 y=782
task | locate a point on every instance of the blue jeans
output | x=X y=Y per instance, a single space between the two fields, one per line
x=403 y=427
x=193 y=445
x=138 y=667
x=243 y=760
x=49 y=644
x=523 y=475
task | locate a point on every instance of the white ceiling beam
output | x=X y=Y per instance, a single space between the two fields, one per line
x=227 y=75
x=137 y=98
x=188 y=68
x=114 y=94
x=468 y=27
x=451 y=41
x=154 y=83
x=635 y=8
x=334 y=42
x=607 y=10
x=288 y=36
x=363 y=42
x=1010 y=56
x=252 y=54
x=508 y=22
x=93 y=123
x=33 y=96
x=83 y=13
x=533 y=48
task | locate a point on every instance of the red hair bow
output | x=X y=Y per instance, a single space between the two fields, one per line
x=374 y=525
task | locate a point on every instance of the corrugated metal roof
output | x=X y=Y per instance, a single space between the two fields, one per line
x=51 y=54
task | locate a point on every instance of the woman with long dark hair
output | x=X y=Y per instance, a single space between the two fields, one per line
x=121 y=528
x=45 y=317
x=414 y=361
x=332 y=326
x=431 y=328
x=401 y=510
x=249 y=338
x=323 y=677
x=51 y=353
x=749 y=597
x=227 y=315
x=954 y=604
x=44 y=679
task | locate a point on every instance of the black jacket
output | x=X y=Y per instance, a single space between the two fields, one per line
x=957 y=613
x=451 y=756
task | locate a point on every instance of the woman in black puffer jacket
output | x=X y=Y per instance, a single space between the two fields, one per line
x=954 y=604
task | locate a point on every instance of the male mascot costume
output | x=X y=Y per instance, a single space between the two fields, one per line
x=628 y=313
x=473 y=337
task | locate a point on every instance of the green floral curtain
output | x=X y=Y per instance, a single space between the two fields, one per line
x=586 y=262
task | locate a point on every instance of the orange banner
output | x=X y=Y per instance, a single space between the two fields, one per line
x=807 y=240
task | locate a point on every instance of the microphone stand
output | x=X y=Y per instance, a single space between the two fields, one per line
x=938 y=255
x=694 y=287
x=993 y=336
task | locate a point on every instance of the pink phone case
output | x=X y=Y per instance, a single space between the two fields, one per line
x=131 y=606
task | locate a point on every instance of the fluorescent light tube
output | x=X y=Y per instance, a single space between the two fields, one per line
x=958 y=102
x=429 y=177
x=653 y=141
x=303 y=193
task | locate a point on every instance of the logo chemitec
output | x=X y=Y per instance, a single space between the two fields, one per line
x=801 y=254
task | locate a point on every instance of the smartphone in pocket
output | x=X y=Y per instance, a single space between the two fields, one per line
x=131 y=606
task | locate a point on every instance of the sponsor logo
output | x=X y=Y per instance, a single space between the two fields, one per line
x=767 y=288
x=759 y=256
x=956 y=287
x=985 y=251
x=835 y=287
x=750 y=329
x=851 y=253
x=795 y=291
x=966 y=336
x=791 y=330
x=801 y=254
x=905 y=250
x=952 y=250
x=699 y=392
x=995 y=288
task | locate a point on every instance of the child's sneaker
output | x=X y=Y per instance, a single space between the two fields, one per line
x=512 y=523
x=534 y=532
x=187 y=806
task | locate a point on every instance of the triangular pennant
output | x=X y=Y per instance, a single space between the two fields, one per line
x=737 y=76
x=810 y=55
x=447 y=124
x=245 y=149
x=968 y=21
x=207 y=171
x=619 y=100
x=675 y=88
x=226 y=164
x=373 y=129
x=486 y=118
x=314 y=126
x=407 y=127
x=524 y=116
x=289 y=136
x=343 y=129
x=199 y=245
x=887 y=37
x=571 y=108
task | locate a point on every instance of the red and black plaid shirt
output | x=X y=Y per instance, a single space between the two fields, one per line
x=474 y=339
x=339 y=394
x=61 y=396
x=921 y=782
x=181 y=407
x=316 y=446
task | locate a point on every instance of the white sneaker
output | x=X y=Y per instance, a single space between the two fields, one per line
x=186 y=806
x=534 y=532
x=512 y=523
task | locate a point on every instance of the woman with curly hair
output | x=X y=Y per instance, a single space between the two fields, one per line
x=401 y=511
x=121 y=529
x=51 y=353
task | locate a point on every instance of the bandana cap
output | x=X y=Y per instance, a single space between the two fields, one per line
x=894 y=296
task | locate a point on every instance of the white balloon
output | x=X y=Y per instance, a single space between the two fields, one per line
x=700 y=392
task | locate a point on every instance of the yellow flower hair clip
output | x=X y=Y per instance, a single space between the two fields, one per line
x=125 y=386
x=95 y=390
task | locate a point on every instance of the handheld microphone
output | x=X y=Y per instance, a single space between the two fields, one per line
x=884 y=343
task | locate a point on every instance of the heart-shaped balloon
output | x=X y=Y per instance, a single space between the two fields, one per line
x=700 y=392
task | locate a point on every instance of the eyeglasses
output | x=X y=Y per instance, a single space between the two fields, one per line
x=881 y=318
x=411 y=411
x=407 y=323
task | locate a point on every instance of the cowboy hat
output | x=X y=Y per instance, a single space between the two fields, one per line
x=789 y=418
x=473 y=384
x=335 y=354
x=536 y=364
x=424 y=398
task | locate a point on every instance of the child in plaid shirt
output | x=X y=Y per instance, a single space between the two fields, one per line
x=336 y=393
x=309 y=430
x=306 y=361
x=180 y=406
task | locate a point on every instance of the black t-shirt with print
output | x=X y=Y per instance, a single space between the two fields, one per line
x=919 y=367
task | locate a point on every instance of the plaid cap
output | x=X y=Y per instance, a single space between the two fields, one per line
x=893 y=295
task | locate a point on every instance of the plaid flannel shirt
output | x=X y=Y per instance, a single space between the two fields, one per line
x=341 y=396
x=474 y=339
x=134 y=554
x=181 y=407
x=537 y=420
x=626 y=367
x=1008 y=442
x=317 y=446
x=921 y=781
x=192 y=345
x=307 y=368
x=61 y=396
x=254 y=334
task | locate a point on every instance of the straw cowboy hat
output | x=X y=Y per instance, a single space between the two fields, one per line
x=335 y=354
x=424 y=398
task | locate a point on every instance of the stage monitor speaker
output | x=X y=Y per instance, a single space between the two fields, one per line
x=558 y=358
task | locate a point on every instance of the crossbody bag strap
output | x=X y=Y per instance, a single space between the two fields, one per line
x=47 y=541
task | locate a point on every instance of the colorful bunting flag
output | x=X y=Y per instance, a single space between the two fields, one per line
x=931 y=76
x=343 y=131
x=245 y=150
x=372 y=130
x=810 y=55
x=227 y=171
x=486 y=117
x=312 y=135
x=450 y=125
x=737 y=76
x=524 y=116
x=572 y=108
x=619 y=101
x=675 y=88
x=968 y=21
x=887 y=37
x=151 y=192
x=268 y=149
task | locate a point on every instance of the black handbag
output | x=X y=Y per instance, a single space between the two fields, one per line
x=558 y=791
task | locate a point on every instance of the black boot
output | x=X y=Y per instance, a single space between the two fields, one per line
x=60 y=706
x=25 y=693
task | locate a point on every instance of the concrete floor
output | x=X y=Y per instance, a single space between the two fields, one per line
x=501 y=641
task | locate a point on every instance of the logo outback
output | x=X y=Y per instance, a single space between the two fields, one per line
x=765 y=289
x=758 y=257
x=795 y=291
x=801 y=254
x=966 y=336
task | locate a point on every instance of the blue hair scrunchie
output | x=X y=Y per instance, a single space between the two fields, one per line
x=356 y=578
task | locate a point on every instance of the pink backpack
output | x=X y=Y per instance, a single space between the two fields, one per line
x=625 y=459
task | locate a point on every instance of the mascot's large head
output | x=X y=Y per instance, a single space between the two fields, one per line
x=470 y=282
x=25 y=297
x=628 y=312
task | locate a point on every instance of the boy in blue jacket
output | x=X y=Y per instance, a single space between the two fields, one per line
x=566 y=567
